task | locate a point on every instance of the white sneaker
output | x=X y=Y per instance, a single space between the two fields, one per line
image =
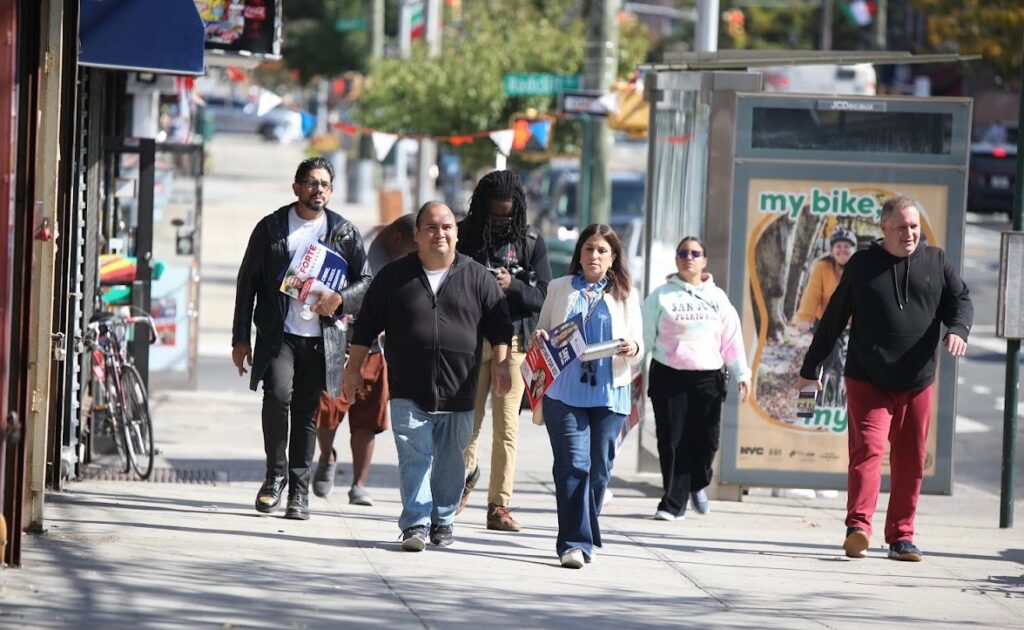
x=573 y=559
x=607 y=498
x=663 y=515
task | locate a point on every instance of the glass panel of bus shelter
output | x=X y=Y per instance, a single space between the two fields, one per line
x=678 y=178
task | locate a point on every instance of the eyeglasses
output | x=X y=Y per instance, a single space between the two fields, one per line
x=313 y=184
x=689 y=253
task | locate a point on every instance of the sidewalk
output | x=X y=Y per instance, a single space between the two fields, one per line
x=191 y=552
x=188 y=550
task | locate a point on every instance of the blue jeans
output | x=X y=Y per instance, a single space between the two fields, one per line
x=583 y=444
x=430 y=466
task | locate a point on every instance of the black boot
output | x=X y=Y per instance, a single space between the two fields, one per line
x=269 y=496
x=298 y=506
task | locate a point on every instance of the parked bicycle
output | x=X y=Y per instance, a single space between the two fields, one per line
x=120 y=402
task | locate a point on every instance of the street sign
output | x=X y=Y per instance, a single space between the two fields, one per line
x=592 y=102
x=540 y=84
x=349 y=24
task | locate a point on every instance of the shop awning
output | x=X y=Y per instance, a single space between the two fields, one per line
x=165 y=36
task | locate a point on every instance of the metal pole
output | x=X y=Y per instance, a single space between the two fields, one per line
x=827 y=17
x=142 y=286
x=366 y=167
x=599 y=69
x=882 y=24
x=583 y=186
x=427 y=158
x=707 y=25
x=1012 y=386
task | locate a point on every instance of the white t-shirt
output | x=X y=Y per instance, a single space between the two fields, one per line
x=301 y=234
x=435 y=278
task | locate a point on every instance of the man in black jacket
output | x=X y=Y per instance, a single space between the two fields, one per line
x=496 y=235
x=898 y=293
x=435 y=307
x=297 y=355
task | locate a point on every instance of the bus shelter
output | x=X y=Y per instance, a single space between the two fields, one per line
x=765 y=179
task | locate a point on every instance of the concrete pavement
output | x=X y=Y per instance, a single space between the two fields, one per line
x=190 y=551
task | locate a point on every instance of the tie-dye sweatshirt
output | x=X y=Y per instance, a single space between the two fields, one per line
x=689 y=327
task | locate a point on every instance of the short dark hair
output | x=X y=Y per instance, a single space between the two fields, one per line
x=428 y=206
x=311 y=164
x=898 y=202
x=693 y=239
x=405 y=226
x=619 y=280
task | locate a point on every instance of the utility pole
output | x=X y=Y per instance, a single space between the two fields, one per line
x=366 y=166
x=881 y=25
x=426 y=162
x=827 y=16
x=599 y=69
x=707 y=25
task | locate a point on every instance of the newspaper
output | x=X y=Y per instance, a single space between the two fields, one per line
x=312 y=271
x=543 y=365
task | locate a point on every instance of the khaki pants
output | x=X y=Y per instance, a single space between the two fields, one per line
x=505 y=426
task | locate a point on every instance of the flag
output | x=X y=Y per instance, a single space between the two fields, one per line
x=857 y=12
x=503 y=140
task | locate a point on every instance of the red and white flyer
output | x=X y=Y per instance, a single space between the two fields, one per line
x=543 y=365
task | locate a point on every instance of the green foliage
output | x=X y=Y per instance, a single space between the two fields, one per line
x=312 y=47
x=992 y=28
x=461 y=91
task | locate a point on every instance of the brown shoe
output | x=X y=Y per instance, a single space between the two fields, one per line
x=499 y=518
x=471 y=480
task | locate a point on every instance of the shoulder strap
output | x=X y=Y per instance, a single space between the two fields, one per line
x=529 y=245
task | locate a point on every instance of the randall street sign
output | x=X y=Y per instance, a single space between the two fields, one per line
x=539 y=84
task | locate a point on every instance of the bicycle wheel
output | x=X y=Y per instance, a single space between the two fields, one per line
x=138 y=425
x=115 y=418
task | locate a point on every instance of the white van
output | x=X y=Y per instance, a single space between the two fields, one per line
x=824 y=79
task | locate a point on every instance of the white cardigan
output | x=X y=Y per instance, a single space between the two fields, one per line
x=627 y=321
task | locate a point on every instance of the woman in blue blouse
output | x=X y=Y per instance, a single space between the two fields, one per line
x=586 y=406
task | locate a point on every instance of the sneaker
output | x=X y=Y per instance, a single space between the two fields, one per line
x=414 y=538
x=442 y=535
x=298 y=507
x=904 y=550
x=323 y=479
x=269 y=497
x=471 y=480
x=357 y=495
x=700 y=502
x=572 y=559
x=665 y=515
x=856 y=543
x=499 y=518
x=607 y=499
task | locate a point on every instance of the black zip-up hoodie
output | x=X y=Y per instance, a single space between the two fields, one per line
x=432 y=342
x=897 y=305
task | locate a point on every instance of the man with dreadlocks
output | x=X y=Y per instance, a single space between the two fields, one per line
x=496 y=235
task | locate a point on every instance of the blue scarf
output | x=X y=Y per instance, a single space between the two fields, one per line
x=586 y=304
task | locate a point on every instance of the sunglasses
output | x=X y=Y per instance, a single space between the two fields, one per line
x=689 y=253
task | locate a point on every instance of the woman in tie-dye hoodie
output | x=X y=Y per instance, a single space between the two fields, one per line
x=693 y=332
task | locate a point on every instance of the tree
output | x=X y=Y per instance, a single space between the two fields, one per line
x=461 y=92
x=313 y=47
x=991 y=28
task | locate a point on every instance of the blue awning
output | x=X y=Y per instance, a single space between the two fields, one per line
x=145 y=35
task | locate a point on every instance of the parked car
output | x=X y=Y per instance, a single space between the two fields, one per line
x=235 y=115
x=542 y=180
x=560 y=224
x=992 y=171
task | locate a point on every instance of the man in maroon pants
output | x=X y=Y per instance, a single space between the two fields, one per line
x=898 y=293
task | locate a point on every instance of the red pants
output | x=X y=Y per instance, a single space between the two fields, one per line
x=903 y=417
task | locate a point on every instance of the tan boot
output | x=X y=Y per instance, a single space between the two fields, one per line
x=499 y=518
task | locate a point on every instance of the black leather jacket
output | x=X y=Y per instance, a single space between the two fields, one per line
x=259 y=281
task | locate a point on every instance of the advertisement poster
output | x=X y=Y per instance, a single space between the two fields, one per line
x=169 y=308
x=790 y=228
x=239 y=25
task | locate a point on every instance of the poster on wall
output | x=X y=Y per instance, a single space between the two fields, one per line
x=242 y=26
x=799 y=233
x=169 y=307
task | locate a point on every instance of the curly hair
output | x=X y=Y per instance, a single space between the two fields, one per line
x=494 y=186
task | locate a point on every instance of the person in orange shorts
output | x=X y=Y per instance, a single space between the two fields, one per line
x=368 y=416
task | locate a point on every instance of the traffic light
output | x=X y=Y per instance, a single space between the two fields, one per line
x=735 y=22
x=633 y=113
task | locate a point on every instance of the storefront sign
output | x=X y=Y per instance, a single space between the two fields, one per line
x=248 y=27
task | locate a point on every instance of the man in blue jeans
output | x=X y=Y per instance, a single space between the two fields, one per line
x=435 y=307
